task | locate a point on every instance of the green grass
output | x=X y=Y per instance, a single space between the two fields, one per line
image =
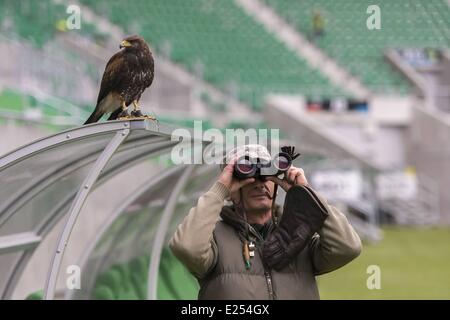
x=414 y=264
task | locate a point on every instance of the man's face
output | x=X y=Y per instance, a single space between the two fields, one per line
x=257 y=195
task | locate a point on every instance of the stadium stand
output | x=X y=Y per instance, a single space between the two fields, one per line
x=219 y=42
x=416 y=24
x=46 y=63
x=221 y=37
x=16 y=105
x=25 y=18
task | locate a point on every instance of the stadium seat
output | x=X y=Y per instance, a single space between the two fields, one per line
x=407 y=24
x=229 y=43
x=26 y=17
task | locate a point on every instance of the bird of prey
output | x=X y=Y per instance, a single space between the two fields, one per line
x=127 y=74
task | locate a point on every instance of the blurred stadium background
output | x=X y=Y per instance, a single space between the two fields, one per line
x=368 y=109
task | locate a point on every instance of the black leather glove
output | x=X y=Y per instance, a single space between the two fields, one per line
x=303 y=215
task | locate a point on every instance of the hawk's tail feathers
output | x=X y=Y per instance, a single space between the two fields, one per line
x=95 y=116
x=115 y=114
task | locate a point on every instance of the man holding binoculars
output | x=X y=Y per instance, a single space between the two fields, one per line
x=253 y=249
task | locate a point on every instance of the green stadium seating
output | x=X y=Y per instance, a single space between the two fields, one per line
x=404 y=24
x=232 y=47
x=38 y=295
x=39 y=21
x=18 y=103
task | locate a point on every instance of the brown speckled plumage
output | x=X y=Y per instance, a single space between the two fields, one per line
x=127 y=74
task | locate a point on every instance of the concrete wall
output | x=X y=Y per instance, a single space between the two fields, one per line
x=443 y=95
x=428 y=149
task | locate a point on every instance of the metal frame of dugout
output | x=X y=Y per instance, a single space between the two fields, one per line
x=51 y=179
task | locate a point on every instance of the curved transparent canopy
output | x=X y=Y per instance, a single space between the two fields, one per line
x=52 y=177
x=127 y=240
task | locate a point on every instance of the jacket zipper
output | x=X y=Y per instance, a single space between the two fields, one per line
x=267 y=274
x=268 y=277
x=269 y=285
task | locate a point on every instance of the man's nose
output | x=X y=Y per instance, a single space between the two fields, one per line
x=260 y=184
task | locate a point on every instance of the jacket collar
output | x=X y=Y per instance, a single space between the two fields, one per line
x=232 y=217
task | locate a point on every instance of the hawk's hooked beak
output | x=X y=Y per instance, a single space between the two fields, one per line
x=124 y=44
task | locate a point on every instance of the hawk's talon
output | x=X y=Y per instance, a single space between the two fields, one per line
x=146 y=117
x=123 y=114
x=137 y=113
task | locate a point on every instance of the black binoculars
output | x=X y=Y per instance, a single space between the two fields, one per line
x=246 y=167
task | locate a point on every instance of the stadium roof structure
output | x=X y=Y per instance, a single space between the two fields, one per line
x=51 y=179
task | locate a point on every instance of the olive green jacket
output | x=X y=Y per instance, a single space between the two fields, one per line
x=211 y=249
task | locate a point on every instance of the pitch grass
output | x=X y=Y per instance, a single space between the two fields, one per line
x=414 y=263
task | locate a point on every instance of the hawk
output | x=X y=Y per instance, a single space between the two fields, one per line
x=127 y=74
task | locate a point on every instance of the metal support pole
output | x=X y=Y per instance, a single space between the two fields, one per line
x=75 y=209
x=158 y=244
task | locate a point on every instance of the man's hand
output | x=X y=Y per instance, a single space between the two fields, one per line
x=229 y=181
x=294 y=176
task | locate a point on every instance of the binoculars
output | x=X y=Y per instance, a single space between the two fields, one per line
x=246 y=167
